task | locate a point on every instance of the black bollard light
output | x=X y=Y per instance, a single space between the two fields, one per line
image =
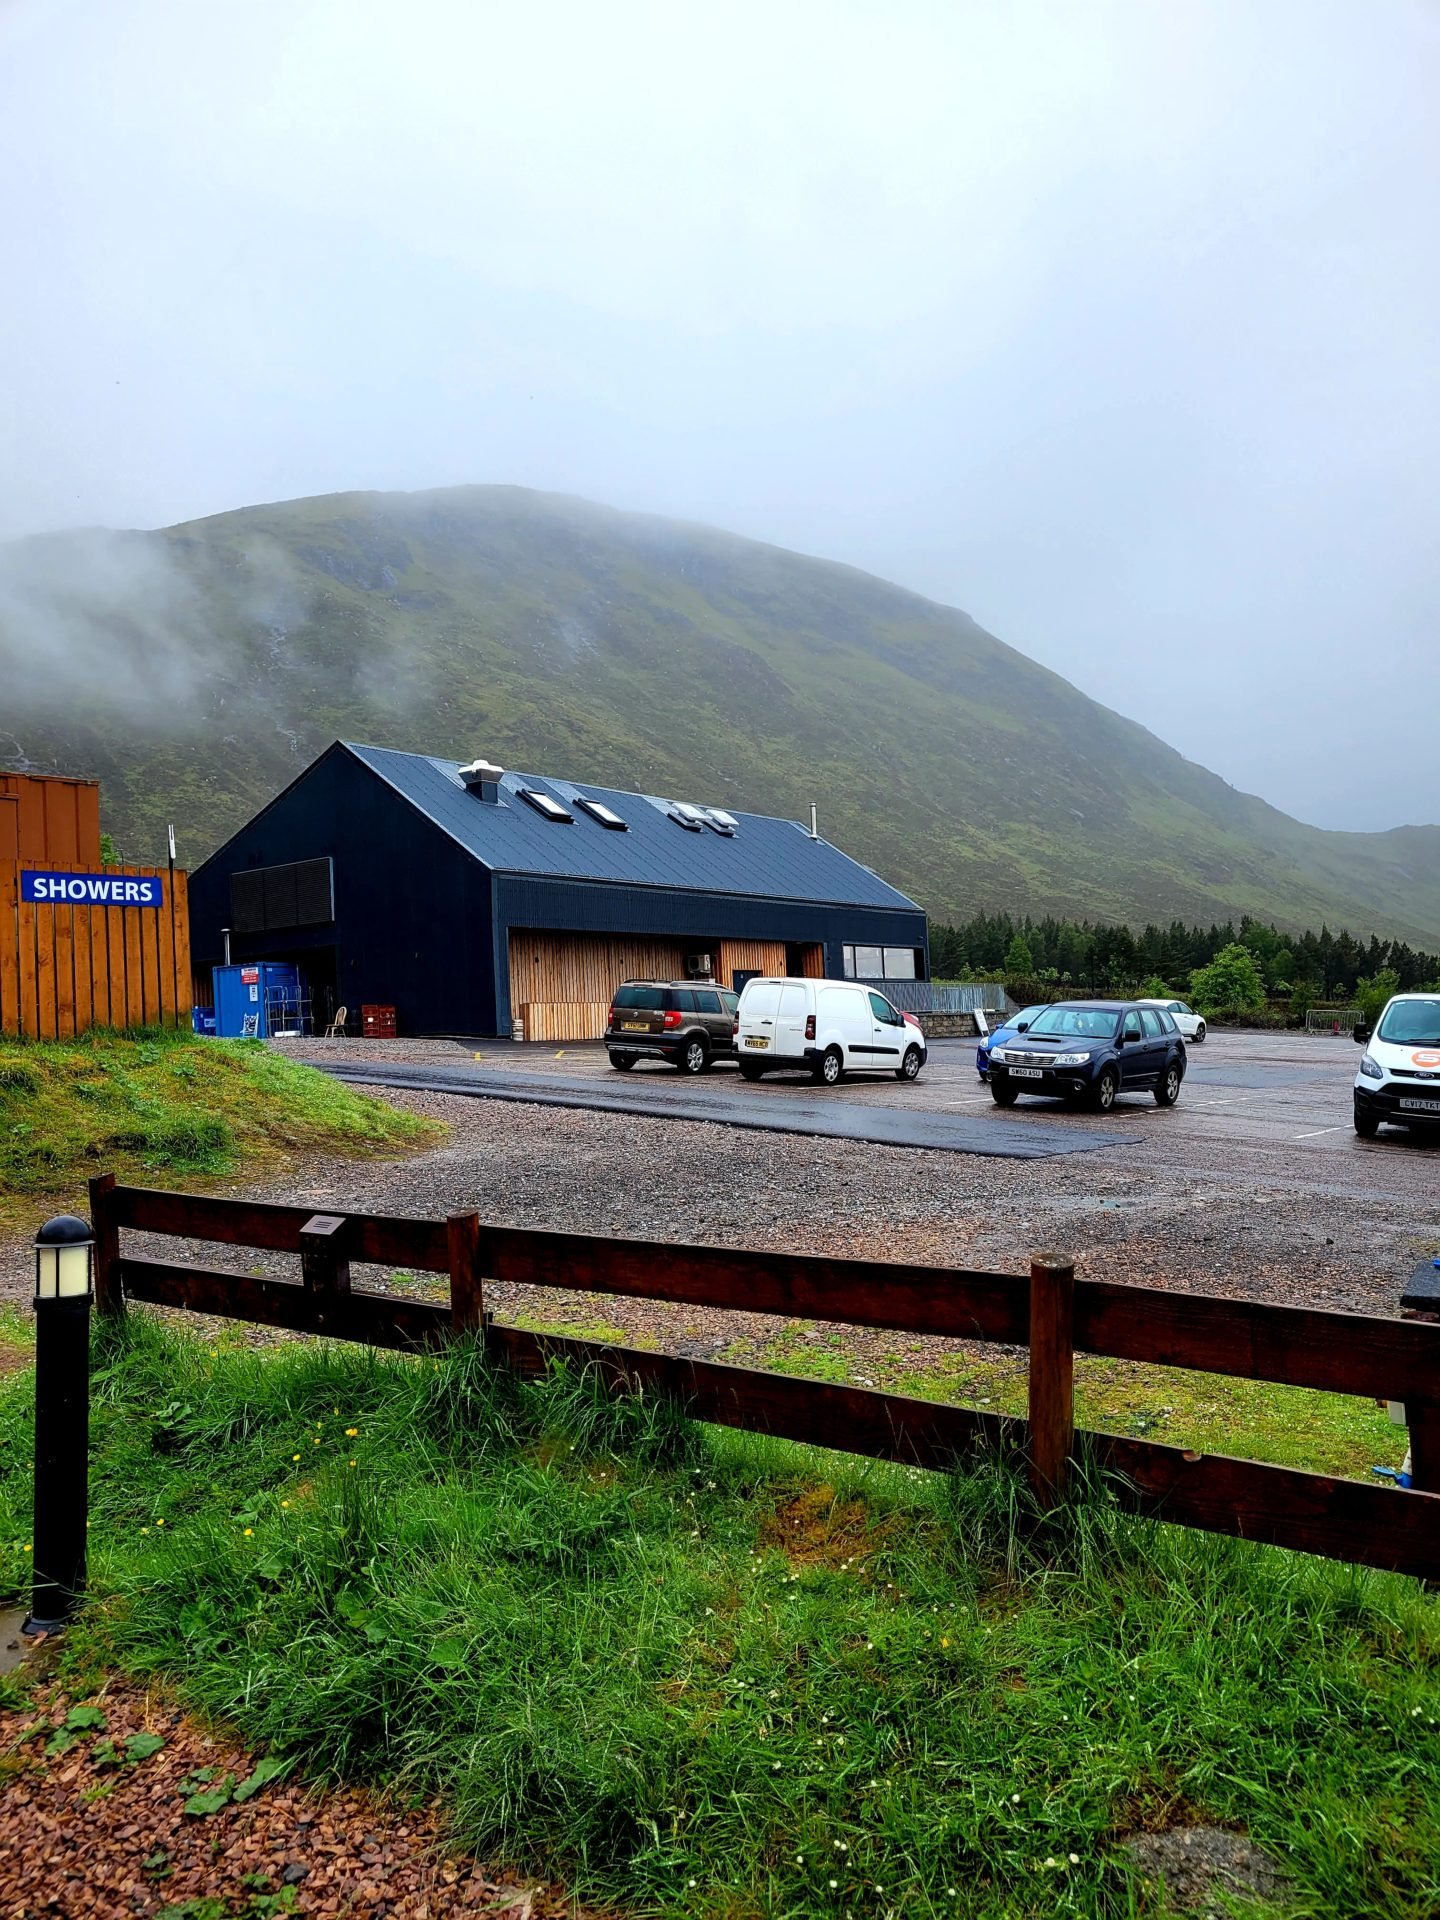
x=64 y=1288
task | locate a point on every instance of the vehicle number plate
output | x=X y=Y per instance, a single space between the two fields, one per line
x=1421 y=1106
x=1028 y=1073
x=633 y=1026
x=756 y=1040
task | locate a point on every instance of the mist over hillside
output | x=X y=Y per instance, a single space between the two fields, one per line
x=196 y=670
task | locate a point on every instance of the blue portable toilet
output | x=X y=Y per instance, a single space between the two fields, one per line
x=254 y=1000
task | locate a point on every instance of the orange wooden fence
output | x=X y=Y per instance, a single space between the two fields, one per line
x=65 y=968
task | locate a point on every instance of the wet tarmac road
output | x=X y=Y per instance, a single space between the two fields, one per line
x=722 y=1098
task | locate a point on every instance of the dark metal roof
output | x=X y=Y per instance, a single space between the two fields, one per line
x=774 y=859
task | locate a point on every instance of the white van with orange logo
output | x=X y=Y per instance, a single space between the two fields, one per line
x=1399 y=1077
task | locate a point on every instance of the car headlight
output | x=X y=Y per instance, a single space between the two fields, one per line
x=1070 y=1059
x=1371 y=1069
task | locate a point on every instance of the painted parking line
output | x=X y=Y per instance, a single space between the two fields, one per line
x=1317 y=1133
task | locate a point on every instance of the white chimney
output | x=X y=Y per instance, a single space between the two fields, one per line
x=482 y=779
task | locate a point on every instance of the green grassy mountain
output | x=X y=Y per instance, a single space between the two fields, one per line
x=196 y=670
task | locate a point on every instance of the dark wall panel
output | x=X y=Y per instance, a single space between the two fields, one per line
x=412 y=911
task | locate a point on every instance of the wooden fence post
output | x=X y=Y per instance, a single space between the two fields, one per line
x=1423 y=1419
x=109 y=1294
x=1052 y=1374
x=324 y=1267
x=467 y=1288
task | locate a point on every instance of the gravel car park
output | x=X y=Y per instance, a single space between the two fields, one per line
x=1253 y=1185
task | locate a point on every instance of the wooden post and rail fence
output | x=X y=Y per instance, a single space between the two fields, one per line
x=1051 y=1312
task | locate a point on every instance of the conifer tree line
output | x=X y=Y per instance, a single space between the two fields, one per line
x=1320 y=965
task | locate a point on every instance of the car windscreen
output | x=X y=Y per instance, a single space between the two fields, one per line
x=652 y=998
x=1084 y=1023
x=1411 y=1023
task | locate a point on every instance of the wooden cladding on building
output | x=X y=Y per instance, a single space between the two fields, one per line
x=46 y=820
x=561 y=983
x=65 y=968
x=748 y=956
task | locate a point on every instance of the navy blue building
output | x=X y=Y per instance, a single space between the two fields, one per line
x=474 y=900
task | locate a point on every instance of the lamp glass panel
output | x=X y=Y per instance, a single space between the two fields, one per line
x=74 y=1264
x=47 y=1273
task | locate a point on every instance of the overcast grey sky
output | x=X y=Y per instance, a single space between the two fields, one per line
x=1116 y=324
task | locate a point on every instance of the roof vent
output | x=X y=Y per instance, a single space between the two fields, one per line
x=482 y=780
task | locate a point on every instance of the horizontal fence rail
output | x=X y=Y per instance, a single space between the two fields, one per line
x=1051 y=1312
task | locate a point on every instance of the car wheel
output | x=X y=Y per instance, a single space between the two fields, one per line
x=829 y=1070
x=1200 y=1033
x=1167 y=1090
x=694 y=1056
x=909 y=1067
x=1366 y=1125
x=1106 y=1090
x=750 y=1071
x=1003 y=1094
x=622 y=1062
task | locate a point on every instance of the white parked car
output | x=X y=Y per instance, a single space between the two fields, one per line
x=1399 y=1077
x=1190 y=1023
x=831 y=1027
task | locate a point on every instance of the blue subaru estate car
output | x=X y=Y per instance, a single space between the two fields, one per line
x=1016 y=1023
x=1092 y=1051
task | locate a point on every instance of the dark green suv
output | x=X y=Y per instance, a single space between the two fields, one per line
x=689 y=1023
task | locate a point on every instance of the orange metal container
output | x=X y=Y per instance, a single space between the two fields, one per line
x=50 y=819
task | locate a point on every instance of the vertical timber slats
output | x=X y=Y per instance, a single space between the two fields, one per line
x=67 y=968
x=9 y=943
x=748 y=956
x=561 y=983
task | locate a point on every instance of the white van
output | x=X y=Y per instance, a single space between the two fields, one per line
x=833 y=1027
x=1399 y=1077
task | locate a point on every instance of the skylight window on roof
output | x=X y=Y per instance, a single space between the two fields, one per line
x=598 y=810
x=546 y=805
x=691 y=818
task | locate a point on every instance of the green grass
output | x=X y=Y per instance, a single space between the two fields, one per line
x=166 y=1106
x=702 y=1674
x=1284 y=1426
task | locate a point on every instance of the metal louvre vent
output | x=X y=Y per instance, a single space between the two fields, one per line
x=298 y=894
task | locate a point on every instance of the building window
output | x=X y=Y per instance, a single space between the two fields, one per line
x=883 y=963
